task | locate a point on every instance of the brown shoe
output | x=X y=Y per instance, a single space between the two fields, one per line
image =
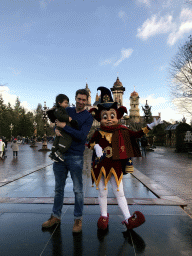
x=51 y=222
x=77 y=227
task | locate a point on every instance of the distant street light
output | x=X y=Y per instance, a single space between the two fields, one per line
x=44 y=145
x=11 y=128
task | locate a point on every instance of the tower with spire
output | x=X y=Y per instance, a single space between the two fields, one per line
x=89 y=98
x=118 y=91
x=134 y=107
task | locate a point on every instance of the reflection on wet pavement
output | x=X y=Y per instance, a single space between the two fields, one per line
x=41 y=184
x=167 y=231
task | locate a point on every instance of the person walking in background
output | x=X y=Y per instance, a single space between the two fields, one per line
x=73 y=162
x=144 y=143
x=2 y=148
x=23 y=140
x=15 y=147
x=5 y=141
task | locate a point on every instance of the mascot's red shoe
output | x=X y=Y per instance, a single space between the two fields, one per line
x=136 y=220
x=103 y=222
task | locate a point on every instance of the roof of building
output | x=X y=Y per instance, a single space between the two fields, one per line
x=171 y=127
x=117 y=83
x=134 y=93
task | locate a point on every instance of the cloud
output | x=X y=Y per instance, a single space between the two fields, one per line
x=152 y=101
x=184 y=26
x=169 y=114
x=122 y=15
x=107 y=61
x=43 y=4
x=165 y=25
x=146 y=2
x=154 y=26
x=186 y=14
x=125 y=53
x=167 y=3
x=11 y=98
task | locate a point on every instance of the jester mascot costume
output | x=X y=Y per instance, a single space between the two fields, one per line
x=114 y=145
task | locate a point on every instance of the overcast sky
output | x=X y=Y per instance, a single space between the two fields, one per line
x=56 y=46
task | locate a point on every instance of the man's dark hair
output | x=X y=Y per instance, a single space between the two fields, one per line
x=60 y=98
x=82 y=91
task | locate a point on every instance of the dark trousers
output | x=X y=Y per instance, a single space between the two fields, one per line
x=61 y=144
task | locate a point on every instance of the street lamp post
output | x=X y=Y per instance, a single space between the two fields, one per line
x=34 y=136
x=11 y=128
x=44 y=145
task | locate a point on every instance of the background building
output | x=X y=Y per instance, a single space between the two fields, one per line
x=117 y=92
x=134 y=107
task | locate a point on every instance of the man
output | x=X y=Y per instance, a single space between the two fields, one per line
x=73 y=162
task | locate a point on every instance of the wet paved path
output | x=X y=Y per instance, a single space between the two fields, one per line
x=27 y=202
x=167 y=231
x=29 y=159
x=169 y=169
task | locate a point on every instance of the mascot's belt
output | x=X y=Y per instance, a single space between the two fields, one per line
x=108 y=151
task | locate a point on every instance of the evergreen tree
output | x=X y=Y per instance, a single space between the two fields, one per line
x=25 y=126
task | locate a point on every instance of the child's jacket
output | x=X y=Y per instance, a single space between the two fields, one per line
x=61 y=114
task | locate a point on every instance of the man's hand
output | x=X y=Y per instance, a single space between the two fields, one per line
x=60 y=124
x=70 y=119
x=57 y=132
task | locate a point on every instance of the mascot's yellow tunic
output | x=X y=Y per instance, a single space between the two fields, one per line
x=118 y=144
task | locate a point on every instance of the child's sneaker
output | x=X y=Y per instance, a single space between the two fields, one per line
x=59 y=155
x=53 y=157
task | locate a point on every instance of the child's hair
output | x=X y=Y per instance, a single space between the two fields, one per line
x=60 y=98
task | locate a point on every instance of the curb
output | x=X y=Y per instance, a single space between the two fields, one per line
x=158 y=190
x=25 y=173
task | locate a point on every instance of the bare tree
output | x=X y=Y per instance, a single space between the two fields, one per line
x=181 y=79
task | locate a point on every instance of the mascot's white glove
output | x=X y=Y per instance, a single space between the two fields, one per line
x=155 y=123
x=98 y=150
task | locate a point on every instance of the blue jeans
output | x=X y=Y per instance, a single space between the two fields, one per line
x=74 y=164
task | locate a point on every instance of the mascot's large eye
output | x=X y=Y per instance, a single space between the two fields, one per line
x=112 y=116
x=105 y=116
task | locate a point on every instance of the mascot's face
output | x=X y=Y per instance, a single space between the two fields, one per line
x=109 y=118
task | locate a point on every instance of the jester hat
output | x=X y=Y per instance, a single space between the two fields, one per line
x=106 y=103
